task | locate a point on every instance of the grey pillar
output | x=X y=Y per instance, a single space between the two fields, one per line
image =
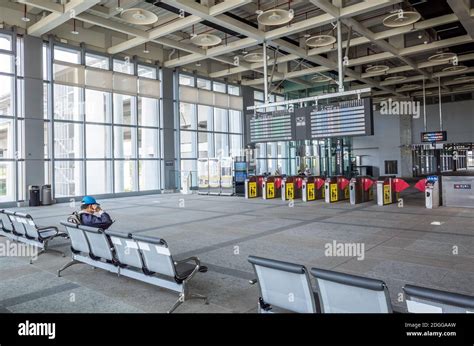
x=34 y=123
x=168 y=122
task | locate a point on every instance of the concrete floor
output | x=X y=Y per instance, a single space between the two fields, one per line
x=401 y=246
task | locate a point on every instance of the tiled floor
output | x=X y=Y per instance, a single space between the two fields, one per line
x=401 y=246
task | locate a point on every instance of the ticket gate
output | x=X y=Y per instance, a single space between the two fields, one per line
x=253 y=186
x=386 y=193
x=430 y=187
x=312 y=189
x=361 y=190
x=271 y=187
x=291 y=188
x=337 y=189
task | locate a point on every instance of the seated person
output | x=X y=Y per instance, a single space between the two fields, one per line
x=92 y=215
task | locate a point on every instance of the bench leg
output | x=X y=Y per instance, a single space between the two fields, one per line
x=39 y=253
x=67 y=265
x=198 y=296
x=177 y=303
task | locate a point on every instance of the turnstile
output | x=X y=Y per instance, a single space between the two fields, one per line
x=361 y=190
x=253 y=186
x=432 y=196
x=313 y=188
x=271 y=187
x=291 y=188
x=386 y=193
x=337 y=189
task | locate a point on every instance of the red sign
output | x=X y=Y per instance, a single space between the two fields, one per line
x=399 y=185
x=342 y=182
x=367 y=183
x=278 y=183
x=421 y=185
x=319 y=183
x=299 y=183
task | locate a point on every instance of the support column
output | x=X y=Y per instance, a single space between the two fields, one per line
x=33 y=106
x=168 y=140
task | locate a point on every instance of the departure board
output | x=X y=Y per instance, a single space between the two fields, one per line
x=347 y=118
x=272 y=127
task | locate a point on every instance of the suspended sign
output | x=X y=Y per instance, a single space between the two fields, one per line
x=272 y=127
x=433 y=137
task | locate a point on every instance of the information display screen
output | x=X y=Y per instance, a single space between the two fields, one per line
x=347 y=118
x=432 y=137
x=272 y=127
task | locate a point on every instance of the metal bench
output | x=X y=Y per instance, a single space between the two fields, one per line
x=428 y=300
x=22 y=228
x=146 y=259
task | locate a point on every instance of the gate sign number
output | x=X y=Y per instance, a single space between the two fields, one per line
x=290 y=191
x=433 y=137
x=462 y=186
x=270 y=190
x=310 y=187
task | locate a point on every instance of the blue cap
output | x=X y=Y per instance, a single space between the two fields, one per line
x=89 y=200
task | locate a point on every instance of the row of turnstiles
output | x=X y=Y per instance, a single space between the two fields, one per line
x=336 y=188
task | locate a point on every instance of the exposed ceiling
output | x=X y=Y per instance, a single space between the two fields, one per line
x=443 y=26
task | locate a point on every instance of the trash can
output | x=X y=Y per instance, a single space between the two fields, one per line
x=46 y=197
x=34 y=195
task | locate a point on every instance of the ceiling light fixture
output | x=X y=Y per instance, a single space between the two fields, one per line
x=401 y=18
x=138 y=16
x=25 y=18
x=254 y=57
x=395 y=79
x=442 y=57
x=457 y=68
x=74 y=31
x=320 y=41
x=407 y=87
x=206 y=40
x=377 y=69
x=275 y=17
x=320 y=78
x=118 y=8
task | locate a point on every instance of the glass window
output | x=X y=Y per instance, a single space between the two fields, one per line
x=97 y=106
x=258 y=95
x=5 y=42
x=186 y=80
x=98 y=141
x=148 y=112
x=219 y=87
x=188 y=140
x=235 y=121
x=204 y=118
x=148 y=171
x=68 y=178
x=7 y=181
x=123 y=109
x=124 y=66
x=97 y=61
x=233 y=89
x=45 y=100
x=235 y=145
x=67 y=102
x=220 y=120
x=99 y=177
x=187 y=116
x=148 y=143
x=221 y=146
x=68 y=140
x=6 y=87
x=124 y=142
x=7 y=145
x=67 y=55
x=46 y=139
x=146 y=71
x=203 y=144
x=125 y=173
x=45 y=63
x=204 y=83
x=6 y=63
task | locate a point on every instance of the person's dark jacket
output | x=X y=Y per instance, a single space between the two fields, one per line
x=97 y=220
